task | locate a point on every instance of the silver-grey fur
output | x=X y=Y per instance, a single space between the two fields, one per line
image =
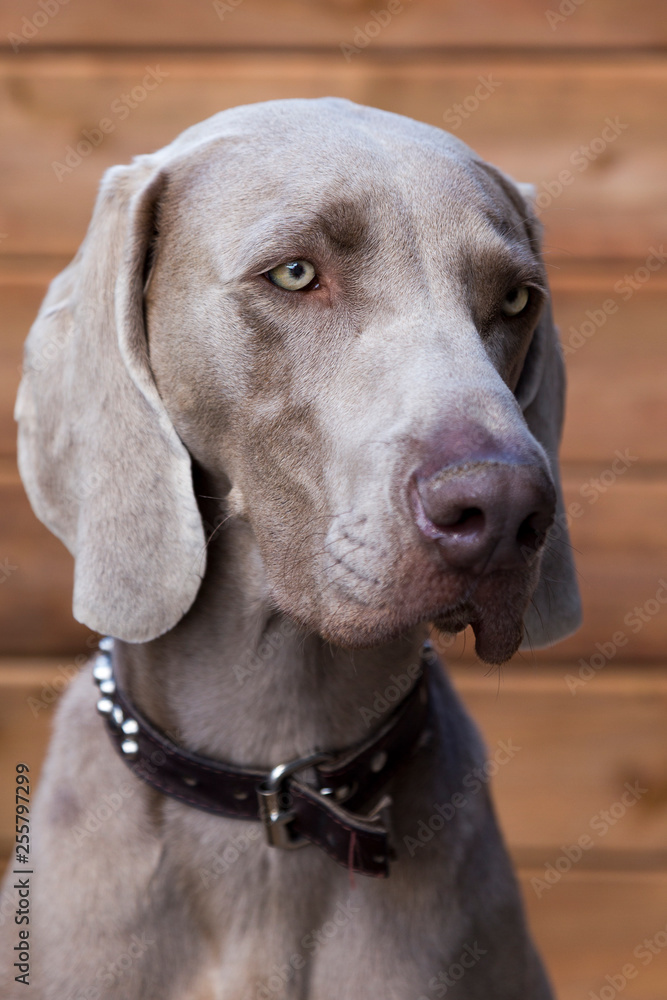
x=160 y=349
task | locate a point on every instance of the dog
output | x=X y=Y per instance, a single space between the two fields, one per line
x=298 y=395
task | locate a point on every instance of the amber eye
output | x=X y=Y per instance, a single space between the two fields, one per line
x=292 y=276
x=515 y=301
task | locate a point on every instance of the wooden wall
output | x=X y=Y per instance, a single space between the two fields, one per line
x=558 y=75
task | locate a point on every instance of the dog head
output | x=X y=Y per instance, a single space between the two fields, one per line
x=342 y=316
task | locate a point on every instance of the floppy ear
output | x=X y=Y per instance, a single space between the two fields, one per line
x=555 y=611
x=101 y=462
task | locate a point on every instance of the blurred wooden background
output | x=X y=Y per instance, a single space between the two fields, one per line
x=556 y=76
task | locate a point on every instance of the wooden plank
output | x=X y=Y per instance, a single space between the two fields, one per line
x=532 y=124
x=25 y=728
x=588 y=923
x=624 y=515
x=573 y=754
x=593 y=926
x=621 y=562
x=616 y=361
x=619 y=542
x=307 y=23
x=589 y=926
x=36 y=589
x=613 y=587
x=581 y=744
x=619 y=531
x=19 y=308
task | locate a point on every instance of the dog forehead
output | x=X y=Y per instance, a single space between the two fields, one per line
x=326 y=122
x=256 y=185
x=306 y=153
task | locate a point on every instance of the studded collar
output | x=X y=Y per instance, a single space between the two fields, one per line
x=294 y=812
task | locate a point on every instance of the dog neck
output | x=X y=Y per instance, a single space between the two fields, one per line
x=237 y=681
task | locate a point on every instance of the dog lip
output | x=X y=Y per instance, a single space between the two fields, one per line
x=455 y=619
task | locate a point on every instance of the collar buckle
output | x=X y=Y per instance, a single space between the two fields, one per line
x=274 y=801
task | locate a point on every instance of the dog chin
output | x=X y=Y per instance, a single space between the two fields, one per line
x=495 y=612
x=496 y=640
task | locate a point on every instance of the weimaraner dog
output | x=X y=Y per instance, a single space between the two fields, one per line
x=298 y=396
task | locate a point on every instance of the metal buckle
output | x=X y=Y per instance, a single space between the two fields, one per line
x=276 y=819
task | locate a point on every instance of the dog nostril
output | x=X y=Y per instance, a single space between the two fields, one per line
x=459 y=518
x=485 y=516
x=469 y=521
x=532 y=532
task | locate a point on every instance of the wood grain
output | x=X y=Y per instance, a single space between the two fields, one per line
x=36 y=589
x=619 y=545
x=580 y=747
x=572 y=754
x=589 y=925
x=616 y=360
x=588 y=714
x=542 y=111
x=616 y=406
x=576 y=753
x=305 y=23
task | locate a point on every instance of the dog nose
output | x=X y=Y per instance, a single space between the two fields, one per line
x=485 y=515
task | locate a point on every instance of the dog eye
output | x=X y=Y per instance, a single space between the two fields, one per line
x=293 y=276
x=515 y=301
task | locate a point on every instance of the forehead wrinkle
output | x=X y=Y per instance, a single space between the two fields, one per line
x=320 y=228
x=341 y=227
x=512 y=231
x=495 y=247
x=511 y=203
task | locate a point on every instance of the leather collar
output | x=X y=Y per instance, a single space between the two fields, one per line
x=322 y=811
